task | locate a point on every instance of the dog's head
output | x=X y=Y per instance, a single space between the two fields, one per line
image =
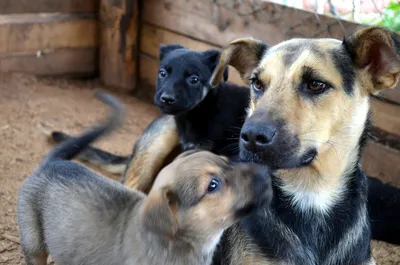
x=183 y=77
x=199 y=194
x=309 y=97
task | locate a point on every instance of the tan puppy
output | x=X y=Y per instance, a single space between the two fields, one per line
x=79 y=217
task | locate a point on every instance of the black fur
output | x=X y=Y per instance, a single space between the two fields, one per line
x=209 y=122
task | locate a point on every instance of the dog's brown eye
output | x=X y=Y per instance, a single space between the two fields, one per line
x=162 y=73
x=256 y=85
x=316 y=85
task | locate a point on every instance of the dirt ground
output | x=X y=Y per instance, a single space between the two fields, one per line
x=29 y=106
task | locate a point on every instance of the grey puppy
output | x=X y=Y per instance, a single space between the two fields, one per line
x=82 y=218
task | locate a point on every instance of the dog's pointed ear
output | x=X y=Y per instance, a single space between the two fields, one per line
x=212 y=58
x=243 y=54
x=159 y=212
x=375 y=51
x=164 y=49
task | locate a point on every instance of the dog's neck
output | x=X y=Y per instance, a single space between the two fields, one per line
x=320 y=185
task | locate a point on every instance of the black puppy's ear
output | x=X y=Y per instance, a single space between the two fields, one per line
x=187 y=153
x=167 y=48
x=212 y=58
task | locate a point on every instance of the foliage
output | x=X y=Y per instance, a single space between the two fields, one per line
x=391 y=16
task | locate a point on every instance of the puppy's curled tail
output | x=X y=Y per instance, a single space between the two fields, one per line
x=71 y=147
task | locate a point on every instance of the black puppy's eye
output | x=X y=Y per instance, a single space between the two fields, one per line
x=214 y=185
x=256 y=85
x=162 y=73
x=316 y=86
x=194 y=80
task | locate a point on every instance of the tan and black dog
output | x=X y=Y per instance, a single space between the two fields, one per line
x=79 y=217
x=307 y=119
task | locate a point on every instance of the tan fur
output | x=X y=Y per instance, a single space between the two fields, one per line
x=141 y=172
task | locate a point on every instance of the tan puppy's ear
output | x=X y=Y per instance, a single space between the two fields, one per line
x=375 y=51
x=159 y=213
x=243 y=54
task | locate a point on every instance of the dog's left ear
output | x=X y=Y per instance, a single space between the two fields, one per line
x=211 y=59
x=159 y=212
x=375 y=51
x=243 y=54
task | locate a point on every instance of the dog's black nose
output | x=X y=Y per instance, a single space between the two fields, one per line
x=256 y=137
x=167 y=99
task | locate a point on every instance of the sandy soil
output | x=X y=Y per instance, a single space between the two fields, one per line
x=32 y=105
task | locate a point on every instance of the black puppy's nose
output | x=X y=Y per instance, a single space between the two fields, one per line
x=256 y=137
x=167 y=99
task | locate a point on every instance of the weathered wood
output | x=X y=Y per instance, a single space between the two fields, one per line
x=75 y=61
x=118 y=43
x=47 y=6
x=392 y=94
x=386 y=116
x=32 y=32
x=382 y=162
x=218 y=25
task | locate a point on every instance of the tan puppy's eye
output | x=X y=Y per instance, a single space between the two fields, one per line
x=316 y=86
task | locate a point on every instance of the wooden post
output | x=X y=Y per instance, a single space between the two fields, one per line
x=119 y=25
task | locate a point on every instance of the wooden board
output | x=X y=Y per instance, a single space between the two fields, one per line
x=382 y=162
x=119 y=25
x=75 y=61
x=392 y=94
x=47 y=6
x=386 y=116
x=218 y=25
x=32 y=32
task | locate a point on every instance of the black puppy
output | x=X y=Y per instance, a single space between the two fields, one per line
x=205 y=118
x=196 y=115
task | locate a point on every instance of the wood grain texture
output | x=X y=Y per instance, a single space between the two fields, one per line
x=119 y=22
x=47 y=6
x=386 y=116
x=382 y=162
x=218 y=25
x=71 y=62
x=32 y=32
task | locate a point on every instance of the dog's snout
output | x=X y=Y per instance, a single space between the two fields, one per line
x=256 y=137
x=168 y=99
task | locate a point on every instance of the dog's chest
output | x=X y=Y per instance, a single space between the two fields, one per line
x=289 y=236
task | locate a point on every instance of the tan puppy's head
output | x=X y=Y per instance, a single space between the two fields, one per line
x=200 y=194
x=309 y=96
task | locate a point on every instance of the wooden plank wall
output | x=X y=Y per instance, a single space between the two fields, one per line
x=49 y=37
x=203 y=25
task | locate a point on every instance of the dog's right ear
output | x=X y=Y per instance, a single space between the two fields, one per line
x=159 y=213
x=243 y=54
x=167 y=48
